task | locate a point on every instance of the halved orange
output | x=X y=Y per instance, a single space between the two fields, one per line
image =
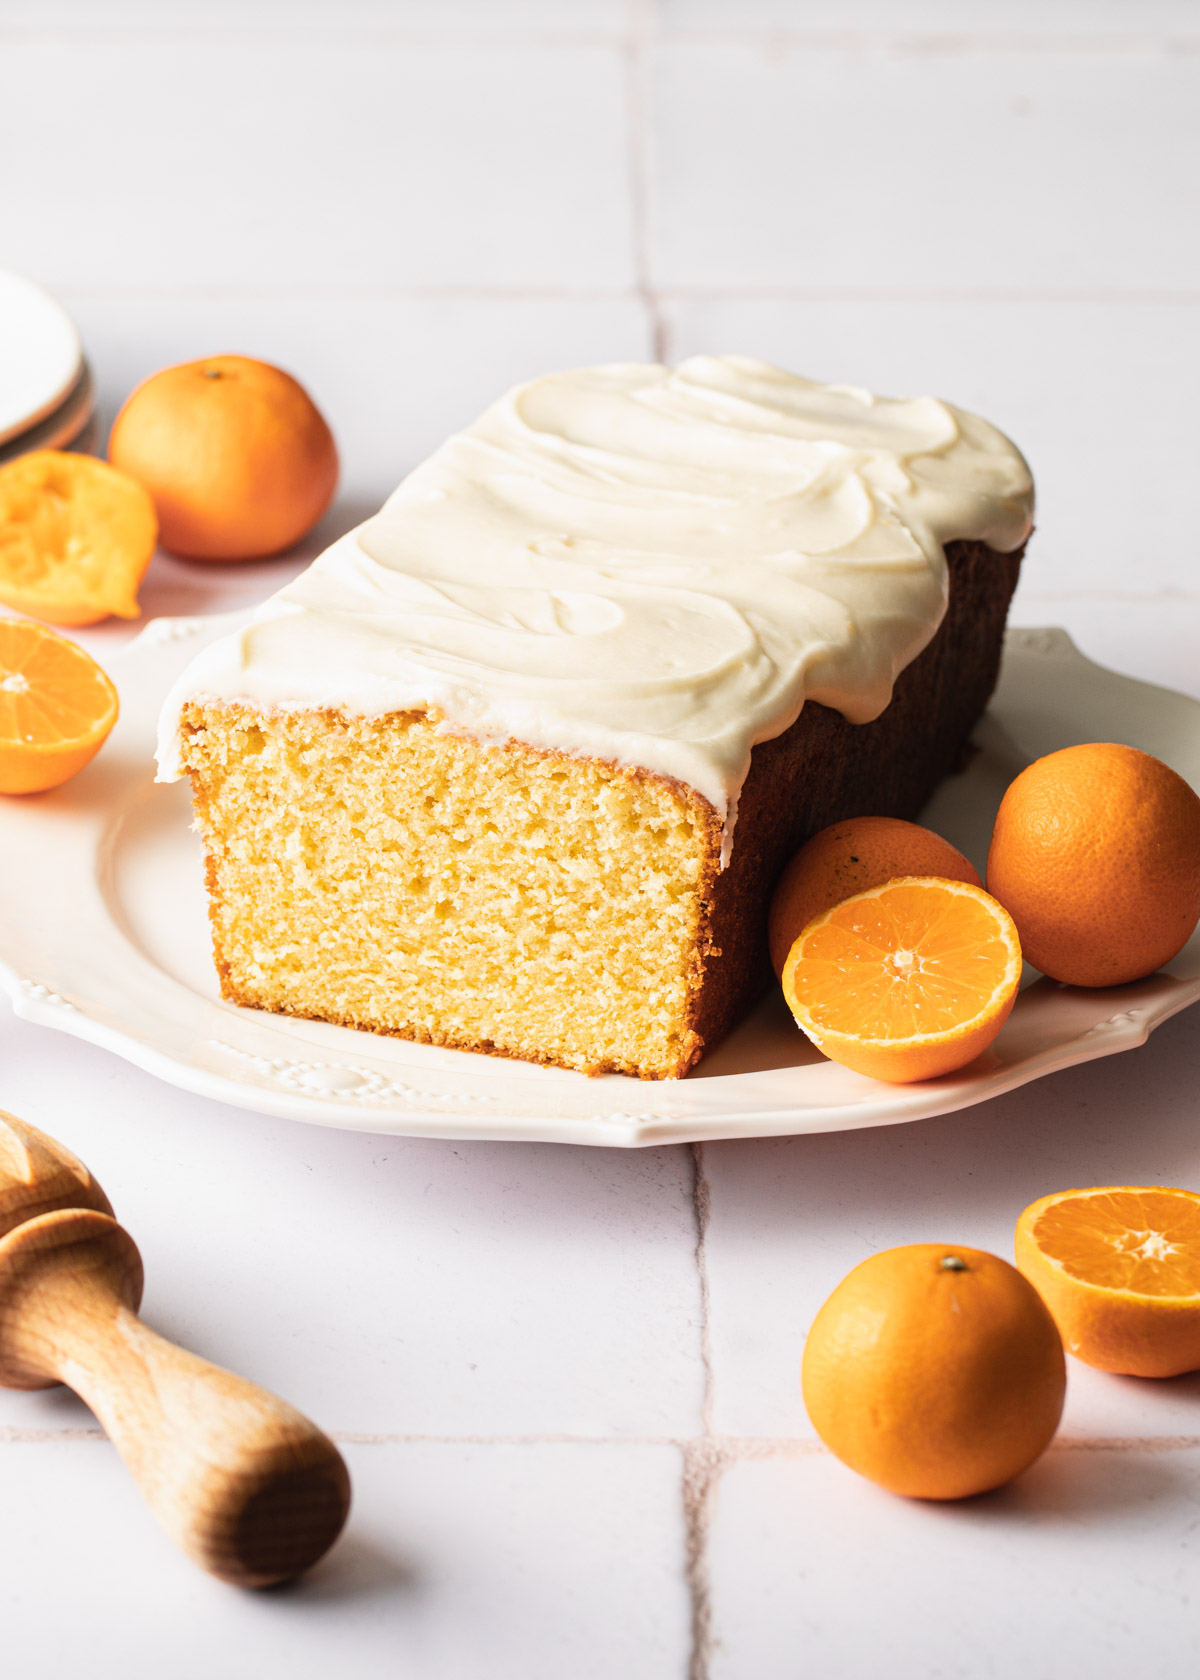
x=906 y=981
x=848 y=857
x=76 y=536
x=56 y=707
x=1119 y=1269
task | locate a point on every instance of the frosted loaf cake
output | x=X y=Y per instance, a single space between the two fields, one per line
x=513 y=765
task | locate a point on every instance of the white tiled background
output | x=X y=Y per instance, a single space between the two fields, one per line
x=567 y=1378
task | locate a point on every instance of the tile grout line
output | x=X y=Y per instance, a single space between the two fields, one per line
x=638 y=103
x=705 y=1459
x=1117 y=295
x=704 y=1463
x=773 y=38
x=943 y=43
x=642 y=291
x=411 y=40
x=702 y=1203
x=707 y=1452
x=699 y=1464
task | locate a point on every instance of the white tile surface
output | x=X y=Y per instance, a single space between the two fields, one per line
x=834 y=165
x=815 y=1571
x=520 y=1563
x=289 y=163
x=381 y=1284
x=791 y=1216
x=1090 y=391
x=393 y=374
x=413 y=205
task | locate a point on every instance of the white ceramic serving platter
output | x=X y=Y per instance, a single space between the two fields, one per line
x=104 y=934
x=40 y=354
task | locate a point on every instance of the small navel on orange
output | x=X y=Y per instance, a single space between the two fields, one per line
x=935 y=1370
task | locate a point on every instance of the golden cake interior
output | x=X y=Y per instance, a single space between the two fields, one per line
x=356 y=875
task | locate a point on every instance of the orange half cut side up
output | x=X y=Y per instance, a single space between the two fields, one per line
x=1119 y=1268
x=56 y=707
x=906 y=981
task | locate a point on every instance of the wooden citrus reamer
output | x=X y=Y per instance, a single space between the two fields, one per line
x=245 y=1484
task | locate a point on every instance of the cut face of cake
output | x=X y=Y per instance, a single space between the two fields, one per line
x=515 y=764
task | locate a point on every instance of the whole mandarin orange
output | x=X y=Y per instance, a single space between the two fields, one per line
x=935 y=1370
x=851 y=857
x=235 y=453
x=1096 y=857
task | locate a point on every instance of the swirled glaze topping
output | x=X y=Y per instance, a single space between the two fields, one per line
x=649 y=565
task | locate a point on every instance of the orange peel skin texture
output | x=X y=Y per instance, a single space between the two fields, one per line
x=935 y=1371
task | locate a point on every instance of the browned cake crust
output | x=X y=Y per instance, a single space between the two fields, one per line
x=823 y=770
x=819 y=771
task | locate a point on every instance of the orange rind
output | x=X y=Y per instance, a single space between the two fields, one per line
x=1119 y=1269
x=57 y=708
x=235 y=453
x=1096 y=856
x=906 y=981
x=76 y=537
x=935 y=1371
x=850 y=857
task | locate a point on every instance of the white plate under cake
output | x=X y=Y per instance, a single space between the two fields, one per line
x=104 y=936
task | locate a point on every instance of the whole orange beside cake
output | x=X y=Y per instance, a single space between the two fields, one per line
x=515 y=764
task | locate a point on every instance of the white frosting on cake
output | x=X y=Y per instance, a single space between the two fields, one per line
x=648 y=565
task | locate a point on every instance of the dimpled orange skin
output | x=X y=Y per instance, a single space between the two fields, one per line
x=236 y=455
x=935 y=1381
x=1112 y=1329
x=850 y=857
x=1096 y=857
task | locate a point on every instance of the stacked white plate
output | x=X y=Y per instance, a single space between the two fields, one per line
x=46 y=398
